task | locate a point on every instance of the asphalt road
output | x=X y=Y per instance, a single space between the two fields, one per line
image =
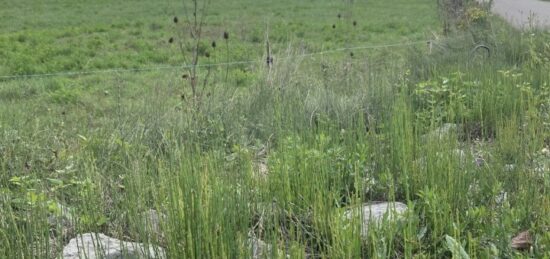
x=523 y=13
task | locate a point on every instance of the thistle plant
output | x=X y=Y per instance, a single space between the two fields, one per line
x=226 y=39
x=195 y=13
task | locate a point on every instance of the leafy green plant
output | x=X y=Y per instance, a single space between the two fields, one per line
x=443 y=100
x=462 y=14
x=456 y=249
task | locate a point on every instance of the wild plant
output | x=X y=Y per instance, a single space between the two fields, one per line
x=189 y=38
x=462 y=14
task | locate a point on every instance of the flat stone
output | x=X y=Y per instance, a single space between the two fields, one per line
x=509 y=167
x=262 y=171
x=259 y=249
x=375 y=213
x=96 y=245
x=443 y=132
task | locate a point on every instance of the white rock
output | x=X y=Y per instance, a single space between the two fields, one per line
x=455 y=153
x=375 y=213
x=262 y=171
x=94 y=245
x=259 y=249
x=480 y=161
x=443 y=132
x=509 y=167
x=501 y=197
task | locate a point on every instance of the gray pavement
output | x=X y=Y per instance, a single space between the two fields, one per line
x=523 y=13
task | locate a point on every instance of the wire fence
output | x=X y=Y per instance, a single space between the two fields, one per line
x=223 y=64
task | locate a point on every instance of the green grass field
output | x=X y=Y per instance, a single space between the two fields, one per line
x=278 y=153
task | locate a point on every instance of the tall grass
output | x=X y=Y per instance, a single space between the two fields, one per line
x=332 y=134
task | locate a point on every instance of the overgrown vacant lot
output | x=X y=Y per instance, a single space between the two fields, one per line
x=443 y=122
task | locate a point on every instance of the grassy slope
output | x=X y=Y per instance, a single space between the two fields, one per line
x=57 y=36
x=111 y=146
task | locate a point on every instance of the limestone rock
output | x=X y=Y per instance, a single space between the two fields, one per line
x=259 y=249
x=509 y=167
x=261 y=171
x=95 y=245
x=375 y=213
x=443 y=132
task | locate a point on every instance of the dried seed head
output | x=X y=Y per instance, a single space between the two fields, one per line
x=185 y=76
x=182 y=96
x=225 y=35
x=334 y=26
x=207 y=54
x=339 y=16
x=213 y=44
x=171 y=40
x=175 y=19
x=354 y=23
x=351 y=54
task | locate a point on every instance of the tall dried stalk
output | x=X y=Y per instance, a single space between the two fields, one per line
x=193 y=26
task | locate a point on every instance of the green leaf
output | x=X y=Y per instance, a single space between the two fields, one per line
x=55 y=181
x=102 y=220
x=15 y=180
x=54 y=207
x=82 y=137
x=456 y=249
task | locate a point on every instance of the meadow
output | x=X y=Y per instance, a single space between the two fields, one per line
x=363 y=102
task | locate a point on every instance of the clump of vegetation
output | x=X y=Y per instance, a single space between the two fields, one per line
x=463 y=14
x=280 y=154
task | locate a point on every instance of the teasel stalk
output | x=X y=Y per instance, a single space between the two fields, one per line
x=226 y=39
